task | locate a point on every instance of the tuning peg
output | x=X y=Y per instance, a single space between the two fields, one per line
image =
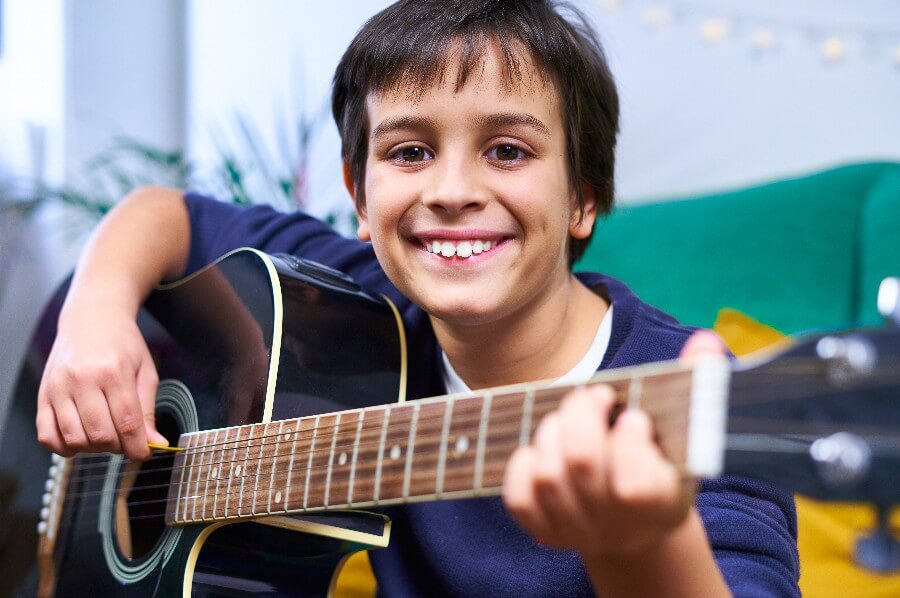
x=889 y=300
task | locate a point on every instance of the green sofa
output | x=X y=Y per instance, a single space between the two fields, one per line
x=798 y=254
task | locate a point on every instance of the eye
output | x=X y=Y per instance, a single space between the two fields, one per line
x=506 y=152
x=412 y=153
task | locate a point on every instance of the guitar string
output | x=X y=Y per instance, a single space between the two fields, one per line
x=92 y=509
x=320 y=454
x=369 y=438
x=366 y=441
x=741 y=385
x=300 y=436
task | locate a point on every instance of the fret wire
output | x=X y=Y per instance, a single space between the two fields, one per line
x=409 y=449
x=234 y=450
x=241 y=470
x=219 y=473
x=442 y=457
x=525 y=432
x=384 y=427
x=359 y=423
x=274 y=464
x=287 y=484
x=482 y=430
x=337 y=422
x=197 y=483
x=181 y=481
x=189 y=482
x=265 y=432
x=635 y=392
x=312 y=447
x=208 y=473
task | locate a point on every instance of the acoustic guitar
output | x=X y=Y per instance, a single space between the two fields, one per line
x=282 y=388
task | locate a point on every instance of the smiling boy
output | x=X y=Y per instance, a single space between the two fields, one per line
x=478 y=144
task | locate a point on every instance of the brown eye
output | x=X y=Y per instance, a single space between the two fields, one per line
x=413 y=154
x=507 y=153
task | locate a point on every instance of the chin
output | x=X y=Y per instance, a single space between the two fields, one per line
x=463 y=312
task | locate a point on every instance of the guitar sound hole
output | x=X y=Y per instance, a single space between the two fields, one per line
x=141 y=498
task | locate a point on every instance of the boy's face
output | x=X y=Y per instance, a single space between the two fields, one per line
x=468 y=202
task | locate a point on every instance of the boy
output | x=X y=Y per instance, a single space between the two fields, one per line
x=478 y=143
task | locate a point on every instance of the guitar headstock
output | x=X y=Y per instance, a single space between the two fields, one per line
x=821 y=417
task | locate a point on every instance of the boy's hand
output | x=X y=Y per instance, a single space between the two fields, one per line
x=598 y=489
x=99 y=387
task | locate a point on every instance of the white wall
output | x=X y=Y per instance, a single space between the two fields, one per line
x=73 y=76
x=124 y=76
x=31 y=88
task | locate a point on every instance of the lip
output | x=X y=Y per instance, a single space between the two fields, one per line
x=469 y=234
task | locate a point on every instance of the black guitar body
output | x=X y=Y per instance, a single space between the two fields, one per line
x=259 y=339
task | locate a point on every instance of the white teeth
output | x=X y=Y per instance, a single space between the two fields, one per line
x=463 y=249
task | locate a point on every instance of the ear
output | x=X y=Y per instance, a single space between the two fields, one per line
x=362 y=230
x=581 y=228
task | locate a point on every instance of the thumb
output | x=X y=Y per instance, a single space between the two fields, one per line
x=147 y=384
x=702 y=342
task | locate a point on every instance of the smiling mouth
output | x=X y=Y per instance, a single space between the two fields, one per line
x=465 y=248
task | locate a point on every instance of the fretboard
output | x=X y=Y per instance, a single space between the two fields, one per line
x=431 y=449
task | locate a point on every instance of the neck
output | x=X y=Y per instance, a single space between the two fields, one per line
x=439 y=448
x=544 y=340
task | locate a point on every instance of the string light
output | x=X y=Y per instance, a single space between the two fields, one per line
x=763 y=38
x=715 y=30
x=657 y=16
x=765 y=33
x=611 y=5
x=834 y=49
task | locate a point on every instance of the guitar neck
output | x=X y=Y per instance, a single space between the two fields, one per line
x=430 y=449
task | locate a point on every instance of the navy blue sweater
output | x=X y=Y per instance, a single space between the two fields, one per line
x=473 y=547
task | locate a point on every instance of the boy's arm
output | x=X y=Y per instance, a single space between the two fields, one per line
x=99 y=385
x=608 y=493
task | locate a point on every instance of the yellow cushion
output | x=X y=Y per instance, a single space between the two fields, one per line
x=827 y=531
x=355 y=579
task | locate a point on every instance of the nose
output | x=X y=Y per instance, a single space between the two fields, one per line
x=455 y=185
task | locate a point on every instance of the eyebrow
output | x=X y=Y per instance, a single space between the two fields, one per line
x=403 y=123
x=512 y=119
x=500 y=119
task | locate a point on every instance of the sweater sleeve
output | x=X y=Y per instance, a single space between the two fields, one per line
x=218 y=227
x=752 y=527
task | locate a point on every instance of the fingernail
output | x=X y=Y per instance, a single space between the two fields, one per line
x=603 y=392
x=634 y=418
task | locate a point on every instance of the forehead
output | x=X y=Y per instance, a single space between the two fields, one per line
x=486 y=77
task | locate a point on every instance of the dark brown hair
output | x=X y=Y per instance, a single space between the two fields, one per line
x=406 y=45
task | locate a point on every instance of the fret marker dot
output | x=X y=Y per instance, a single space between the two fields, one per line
x=342 y=460
x=395 y=452
x=237 y=470
x=278 y=496
x=462 y=445
x=287 y=436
